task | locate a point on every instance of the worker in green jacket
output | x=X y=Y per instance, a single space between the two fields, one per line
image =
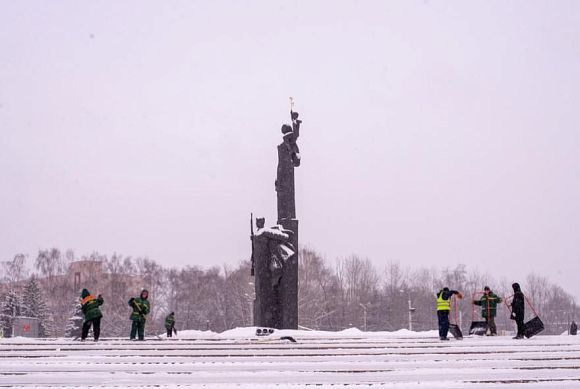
x=488 y=303
x=141 y=308
x=90 y=308
x=170 y=324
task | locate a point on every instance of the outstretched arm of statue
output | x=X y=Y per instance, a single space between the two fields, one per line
x=295 y=124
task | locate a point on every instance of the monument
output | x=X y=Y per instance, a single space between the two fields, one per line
x=275 y=249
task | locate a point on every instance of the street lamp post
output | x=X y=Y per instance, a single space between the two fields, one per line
x=250 y=301
x=364 y=315
x=410 y=309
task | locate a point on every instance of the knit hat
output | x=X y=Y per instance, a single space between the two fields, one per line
x=85 y=293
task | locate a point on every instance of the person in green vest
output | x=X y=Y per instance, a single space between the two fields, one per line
x=90 y=308
x=141 y=308
x=488 y=303
x=170 y=324
x=443 y=307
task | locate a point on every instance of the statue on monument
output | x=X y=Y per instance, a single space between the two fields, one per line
x=274 y=249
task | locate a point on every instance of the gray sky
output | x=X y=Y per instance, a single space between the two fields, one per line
x=434 y=133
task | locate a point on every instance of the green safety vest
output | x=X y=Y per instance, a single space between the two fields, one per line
x=443 y=305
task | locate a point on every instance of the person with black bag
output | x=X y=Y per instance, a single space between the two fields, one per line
x=518 y=309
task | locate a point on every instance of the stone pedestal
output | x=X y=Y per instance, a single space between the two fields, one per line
x=290 y=280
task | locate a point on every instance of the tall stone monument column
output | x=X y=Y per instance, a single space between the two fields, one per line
x=288 y=159
x=275 y=249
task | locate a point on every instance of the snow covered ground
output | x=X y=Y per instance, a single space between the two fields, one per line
x=347 y=359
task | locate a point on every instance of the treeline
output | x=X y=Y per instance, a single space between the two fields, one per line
x=349 y=292
x=345 y=293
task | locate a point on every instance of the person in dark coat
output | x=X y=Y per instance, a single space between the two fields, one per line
x=90 y=307
x=488 y=303
x=443 y=306
x=141 y=308
x=573 y=328
x=518 y=308
x=170 y=324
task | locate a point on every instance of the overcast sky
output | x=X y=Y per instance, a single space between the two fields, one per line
x=435 y=132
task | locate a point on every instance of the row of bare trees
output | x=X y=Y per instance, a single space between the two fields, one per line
x=354 y=292
x=349 y=292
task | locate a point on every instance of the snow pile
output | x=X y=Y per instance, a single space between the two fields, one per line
x=250 y=333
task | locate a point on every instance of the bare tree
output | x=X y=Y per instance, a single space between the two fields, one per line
x=15 y=270
x=314 y=283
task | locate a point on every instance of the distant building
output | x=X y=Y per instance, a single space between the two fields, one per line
x=86 y=274
x=94 y=276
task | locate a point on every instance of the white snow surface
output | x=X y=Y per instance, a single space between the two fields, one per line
x=319 y=359
x=250 y=333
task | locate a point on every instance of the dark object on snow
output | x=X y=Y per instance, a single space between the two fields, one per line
x=288 y=338
x=573 y=328
x=264 y=331
x=478 y=328
x=455 y=331
x=533 y=327
x=275 y=250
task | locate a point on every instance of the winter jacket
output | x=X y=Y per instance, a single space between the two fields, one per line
x=443 y=299
x=90 y=305
x=140 y=307
x=488 y=301
x=170 y=321
x=518 y=303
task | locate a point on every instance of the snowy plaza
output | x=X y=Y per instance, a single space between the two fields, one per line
x=290 y=194
x=237 y=359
